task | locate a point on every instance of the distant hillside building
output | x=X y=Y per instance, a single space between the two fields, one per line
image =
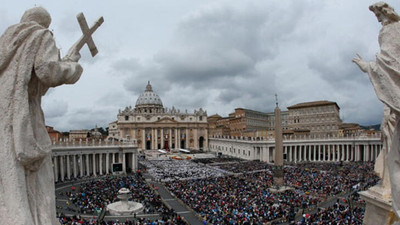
x=54 y=135
x=156 y=127
x=315 y=118
x=318 y=118
x=78 y=134
x=247 y=123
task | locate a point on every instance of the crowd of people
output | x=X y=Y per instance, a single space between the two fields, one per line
x=229 y=191
x=329 y=179
x=90 y=197
x=170 y=170
x=244 y=198
x=339 y=213
x=170 y=218
x=244 y=166
x=218 y=160
x=248 y=197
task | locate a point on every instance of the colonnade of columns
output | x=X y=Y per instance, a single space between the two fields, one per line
x=311 y=151
x=67 y=166
x=173 y=138
x=331 y=152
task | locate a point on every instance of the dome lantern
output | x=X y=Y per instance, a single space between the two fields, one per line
x=148 y=99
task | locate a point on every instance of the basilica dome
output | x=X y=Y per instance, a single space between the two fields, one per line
x=149 y=99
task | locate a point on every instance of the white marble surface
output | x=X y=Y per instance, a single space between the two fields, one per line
x=29 y=65
x=384 y=74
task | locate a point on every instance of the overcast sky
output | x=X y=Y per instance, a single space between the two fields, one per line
x=210 y=54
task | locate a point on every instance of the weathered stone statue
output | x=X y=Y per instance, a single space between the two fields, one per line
x=387 y=129
x=30 y=64
x=384 y=74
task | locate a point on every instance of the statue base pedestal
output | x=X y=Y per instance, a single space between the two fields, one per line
x=378 y=209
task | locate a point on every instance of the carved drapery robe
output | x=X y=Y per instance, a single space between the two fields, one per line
x=29 y=65
x=385 y=77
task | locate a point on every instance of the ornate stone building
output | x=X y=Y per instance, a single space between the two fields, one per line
x=156 y=127
x=315 y=118
x=246 y=123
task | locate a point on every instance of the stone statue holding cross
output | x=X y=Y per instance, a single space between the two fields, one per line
x=30 y=64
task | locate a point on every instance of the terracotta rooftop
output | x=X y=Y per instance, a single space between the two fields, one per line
x=312 y=104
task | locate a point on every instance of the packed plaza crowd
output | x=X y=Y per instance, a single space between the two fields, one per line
x=246 y=198
x=90 y=197
x=244 y=166
x=170 y=170
x=231 y=191
x=217 y=160
x=167 y=219
x=235 y=165
x=339 y=213
x=324 y=180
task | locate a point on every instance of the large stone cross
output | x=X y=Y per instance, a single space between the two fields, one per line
x=87 y=34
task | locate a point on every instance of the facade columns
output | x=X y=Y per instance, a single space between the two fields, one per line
x=162 y=139
x=62 y=167
x=101 y=163
x=329 y=152
x=123 y=162
x=358 y=153
x=176 y=138
x=155 y=141
x=205 y=136
x=181 y=134
x=134 y=163
x=74 y=164
x=342 y=158
x=94 y=164
x=152 y=139
x=81 y=165
x=315 y=153
x=68 y=168
x=291 y=153
x=170 y=138
x=195 y=139
x=266 y=154
x=56 y=168
x=87 y=165
x=187 y=139
x=334 y=152
x=107 y=163
x=144 y=138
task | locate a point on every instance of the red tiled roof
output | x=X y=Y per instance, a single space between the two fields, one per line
x=312 y=104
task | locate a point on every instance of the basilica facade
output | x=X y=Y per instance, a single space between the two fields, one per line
x=156 y=127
